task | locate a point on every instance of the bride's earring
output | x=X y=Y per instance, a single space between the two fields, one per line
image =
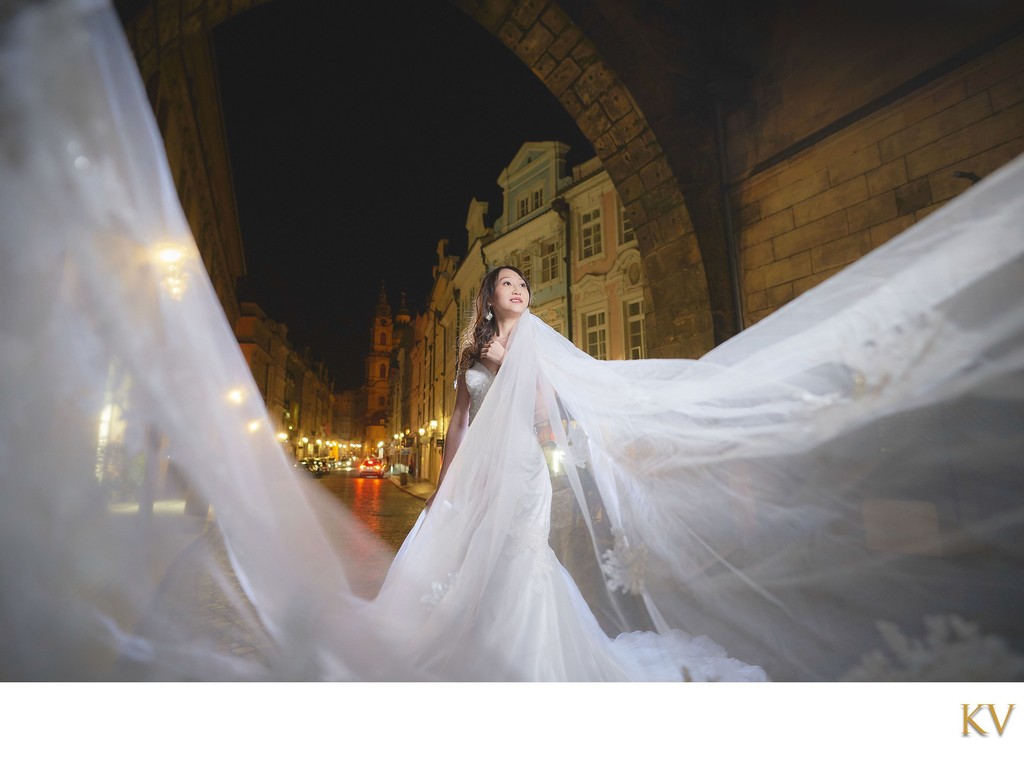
x=490 y=314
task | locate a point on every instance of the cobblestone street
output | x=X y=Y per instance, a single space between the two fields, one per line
x=202 y=577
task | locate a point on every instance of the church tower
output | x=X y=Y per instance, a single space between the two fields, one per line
x=378 y=364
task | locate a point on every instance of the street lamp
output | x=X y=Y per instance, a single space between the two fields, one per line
x=171 y=259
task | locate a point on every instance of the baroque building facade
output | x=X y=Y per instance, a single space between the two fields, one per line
x=567 y=231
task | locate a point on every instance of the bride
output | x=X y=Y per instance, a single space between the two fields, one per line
x=832 y=494
x=477 y=580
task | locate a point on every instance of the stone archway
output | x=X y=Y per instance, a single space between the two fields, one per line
x=686 y=308
x=568 y=62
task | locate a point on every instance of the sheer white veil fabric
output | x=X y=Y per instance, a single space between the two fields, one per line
x=124 y=388
x=852 y=459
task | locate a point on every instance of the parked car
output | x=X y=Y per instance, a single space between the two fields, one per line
x=316 y=466
x=372 y=467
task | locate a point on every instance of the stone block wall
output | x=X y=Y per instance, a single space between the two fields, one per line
x=804 y=219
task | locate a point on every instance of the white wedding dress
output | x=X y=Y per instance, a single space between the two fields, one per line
x=522 y=618
x=833 y=494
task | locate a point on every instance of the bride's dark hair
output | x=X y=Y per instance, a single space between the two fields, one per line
x=482 y=330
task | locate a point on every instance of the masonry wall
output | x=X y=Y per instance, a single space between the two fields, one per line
x=187 y=105
x=805 y=218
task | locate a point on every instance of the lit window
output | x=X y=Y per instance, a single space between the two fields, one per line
x=596 y=335
x=590 y=234
x=626 y=232
x=524 y=206
x=526 y=264
x=549 y=268
x=633 y=316
x=538 y=198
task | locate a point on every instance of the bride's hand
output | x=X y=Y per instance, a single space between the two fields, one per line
x=493 y=351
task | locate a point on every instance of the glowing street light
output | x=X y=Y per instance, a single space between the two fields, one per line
x=169 y=257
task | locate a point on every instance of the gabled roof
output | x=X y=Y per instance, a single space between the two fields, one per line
x=527 y=154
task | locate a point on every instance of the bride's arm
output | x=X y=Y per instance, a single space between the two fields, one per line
x=457 y=427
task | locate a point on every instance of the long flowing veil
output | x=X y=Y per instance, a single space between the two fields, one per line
x=835 y=493
x=127 y=406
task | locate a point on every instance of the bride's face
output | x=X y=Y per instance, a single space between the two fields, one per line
x=511 y=295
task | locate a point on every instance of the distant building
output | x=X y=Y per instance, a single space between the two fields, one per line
x=402 y=442
x=296 y=389
x=378 y=367
x=264 y=344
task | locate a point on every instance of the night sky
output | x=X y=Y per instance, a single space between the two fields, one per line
x=358 y=137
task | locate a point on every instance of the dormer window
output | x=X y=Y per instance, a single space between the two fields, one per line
x=530 y=200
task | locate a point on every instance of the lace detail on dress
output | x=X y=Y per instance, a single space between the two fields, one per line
x=952 y=650
x=478 y=381
x=578 y=451
x=625 y=565
x=439 y=589
x=532 y=541
x=526 y=539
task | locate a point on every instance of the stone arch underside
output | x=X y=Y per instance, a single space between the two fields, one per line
x=689 y=302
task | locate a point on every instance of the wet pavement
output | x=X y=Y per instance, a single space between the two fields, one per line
x=387 y=508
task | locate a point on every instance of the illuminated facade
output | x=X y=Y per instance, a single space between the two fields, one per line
x=296 y=389
x=568 y=233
